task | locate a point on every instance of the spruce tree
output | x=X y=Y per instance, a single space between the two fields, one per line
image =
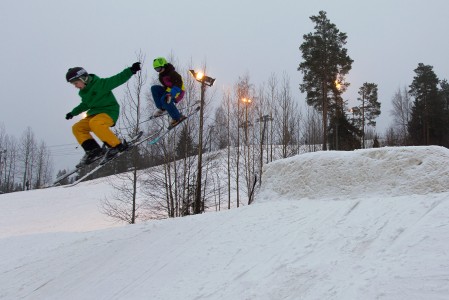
x=185 y=146
x=428 y=124
x=343 y=134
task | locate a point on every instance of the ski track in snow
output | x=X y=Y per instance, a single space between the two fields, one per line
x=368 y=224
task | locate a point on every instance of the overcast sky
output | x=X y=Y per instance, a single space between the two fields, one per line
x=40 y=40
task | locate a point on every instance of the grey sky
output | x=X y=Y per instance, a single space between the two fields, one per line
x=42 y=39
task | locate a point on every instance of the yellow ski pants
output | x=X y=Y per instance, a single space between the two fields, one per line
x=98 y=124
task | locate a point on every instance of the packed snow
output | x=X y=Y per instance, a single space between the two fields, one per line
x=367 y=224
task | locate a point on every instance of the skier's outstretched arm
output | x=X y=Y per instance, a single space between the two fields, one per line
x=119 y=79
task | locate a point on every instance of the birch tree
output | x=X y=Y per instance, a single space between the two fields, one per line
x=27 y=152
x=401 y=113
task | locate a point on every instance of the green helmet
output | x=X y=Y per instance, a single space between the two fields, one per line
x=159 y=62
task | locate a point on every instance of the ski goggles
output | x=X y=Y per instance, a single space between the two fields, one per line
x=158 y=69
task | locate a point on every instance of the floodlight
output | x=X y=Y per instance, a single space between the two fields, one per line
x=201 y=77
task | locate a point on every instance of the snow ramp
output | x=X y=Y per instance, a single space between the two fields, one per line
x=389 y=171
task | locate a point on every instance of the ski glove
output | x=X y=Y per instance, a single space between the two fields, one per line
x=68 y=116
x=174 y=91
x=135 y=67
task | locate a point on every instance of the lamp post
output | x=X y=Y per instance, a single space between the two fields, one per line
x=205 y=81
x=264 y=119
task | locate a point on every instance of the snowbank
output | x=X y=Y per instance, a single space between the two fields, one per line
x=390 y=171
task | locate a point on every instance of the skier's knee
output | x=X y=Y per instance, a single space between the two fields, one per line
x=76 y=128
x=157 y=91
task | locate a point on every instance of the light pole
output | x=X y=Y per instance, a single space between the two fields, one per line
x=205 y=81
x=264 y=119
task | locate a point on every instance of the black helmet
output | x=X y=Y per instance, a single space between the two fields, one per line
x=77 y=73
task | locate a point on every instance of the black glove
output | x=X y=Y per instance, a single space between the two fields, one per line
x=135 y=67
x=68 y=116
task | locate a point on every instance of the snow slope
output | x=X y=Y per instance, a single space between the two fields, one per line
x=368 y=224
x=54 y=209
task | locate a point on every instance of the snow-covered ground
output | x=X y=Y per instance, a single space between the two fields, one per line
x=368 y=224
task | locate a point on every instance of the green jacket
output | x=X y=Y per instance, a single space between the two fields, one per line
x=97 y=96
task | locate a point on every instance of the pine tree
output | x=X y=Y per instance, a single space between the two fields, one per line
x=369 y=108
x=325 y=64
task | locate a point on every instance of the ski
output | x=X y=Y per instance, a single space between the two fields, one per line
x=62 y=177
x=165 y=113
x=71 y=172
x=170 y=128
x=135 y=141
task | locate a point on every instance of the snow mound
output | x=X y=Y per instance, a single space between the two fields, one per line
x=390 y=171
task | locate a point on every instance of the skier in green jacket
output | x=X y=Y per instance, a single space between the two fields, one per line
x=102 y=110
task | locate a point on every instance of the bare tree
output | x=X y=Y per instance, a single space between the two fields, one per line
x=27 y=152
x=313 y=127
x=124 y=205
x=272 y=98
x=9 y=163
x=223 y=133
x=287 y=116
x=44 y=166
x=392 y=138
x=401 y=113
x=244 y=94
x=3 y=151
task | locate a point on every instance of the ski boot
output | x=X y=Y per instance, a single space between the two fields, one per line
x=90 y=156
x=158 y=113
x=173 y=123
x=113 y=151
